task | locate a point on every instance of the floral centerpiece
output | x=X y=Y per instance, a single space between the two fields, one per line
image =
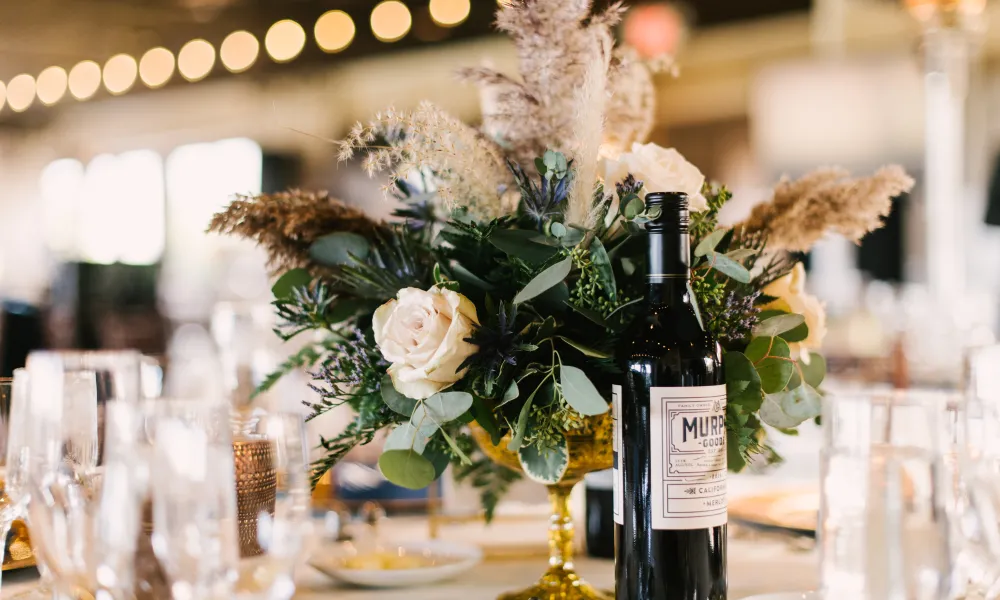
x=494 y=300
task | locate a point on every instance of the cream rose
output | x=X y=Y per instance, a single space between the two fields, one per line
x=661 y=170
x=792 y=297
x=422 y=333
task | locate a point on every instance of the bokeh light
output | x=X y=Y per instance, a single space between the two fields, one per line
x=391 y=21
x=285 y=40
x=239 y=51
x=21 y=92
x=195 y=60
x=84 y=79
x=450 y=13
x=119 y=73
x=334 y=31
x=655 y=29
x=157 y=67
x=51 y=85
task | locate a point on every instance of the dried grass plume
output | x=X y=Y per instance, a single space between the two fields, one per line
x=287 y=223
x=824 y=201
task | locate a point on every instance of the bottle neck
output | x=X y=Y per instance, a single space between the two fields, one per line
x=668 y=266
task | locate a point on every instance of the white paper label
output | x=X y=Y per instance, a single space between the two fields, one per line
x=687 y=430
x=616 y=412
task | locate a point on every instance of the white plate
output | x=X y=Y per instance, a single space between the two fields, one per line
x=787 y=596
x=461 y=558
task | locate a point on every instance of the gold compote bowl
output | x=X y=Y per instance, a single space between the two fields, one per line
x=589 y=449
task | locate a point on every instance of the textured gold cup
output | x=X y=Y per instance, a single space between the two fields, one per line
x=590 y=449
x=256 y=489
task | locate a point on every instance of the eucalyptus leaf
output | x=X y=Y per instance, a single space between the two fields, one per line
x=694 y=305
x=742 y=381
x=591 y=315
x=557 y=229
x=407 y=469
x=729 y=267
x=340 y=248
x=510 y=394
x=517 y=436
x=545 y=280
x=798 y=334
x=771 y=357
x=485 y=419
x=408 y=437
x=585 y=350
x=439 y=458
x=467 y=277
x=518 y=243
x=734 y=458
x=580 y=393
x=443 y=407
x=394 y=400
x=815 y=371
x=633 y=208
x=548 y=466
x=778 y=325
x=802 y=403
x=772 y=414
x=741 y=254
x=601 y=260
x=291 y=280
x=709 y=242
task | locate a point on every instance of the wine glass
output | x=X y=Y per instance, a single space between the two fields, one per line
x=84 y=516
x=283 y=524
x=194 y=497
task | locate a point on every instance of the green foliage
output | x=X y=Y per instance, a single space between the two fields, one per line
x=491 y=479
x=545 y=465
x=407 y=468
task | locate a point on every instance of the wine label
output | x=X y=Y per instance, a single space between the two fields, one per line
x=687 y=430
x=616 y=412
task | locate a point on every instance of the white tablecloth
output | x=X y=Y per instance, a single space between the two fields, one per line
x=755 y=567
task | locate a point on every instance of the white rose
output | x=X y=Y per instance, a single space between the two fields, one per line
x=661 y=170
x=422 y=333
x=792 y=297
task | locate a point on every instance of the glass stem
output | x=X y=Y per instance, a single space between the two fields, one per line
x=560 y=528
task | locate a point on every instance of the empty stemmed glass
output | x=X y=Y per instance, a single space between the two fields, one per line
x=194 y=497
x=84 y=514
x=282 y=525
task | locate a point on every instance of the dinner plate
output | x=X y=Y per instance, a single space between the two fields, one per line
x=455 y=559
x=794 y=511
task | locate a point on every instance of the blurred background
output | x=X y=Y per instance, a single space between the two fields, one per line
x=125 y=124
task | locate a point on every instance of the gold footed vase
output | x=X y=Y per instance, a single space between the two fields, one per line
x=589 y=449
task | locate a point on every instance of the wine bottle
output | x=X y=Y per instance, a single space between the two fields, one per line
x=600 y=514
x=669 y=412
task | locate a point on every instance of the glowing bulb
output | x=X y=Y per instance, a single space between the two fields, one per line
x=196 y=60
x=334 y=31
x=239 y=51
x=391 y=21
x=450 y=13
x=21 y=92
x=84 y=79
x=119 y=73
x=51 y=85
x=285 y=40
x=156 y=67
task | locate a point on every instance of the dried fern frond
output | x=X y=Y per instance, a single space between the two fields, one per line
x=825 y=201
x=468 y=168
x=286 y=224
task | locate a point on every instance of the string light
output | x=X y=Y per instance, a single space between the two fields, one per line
x=334 y=31
x=157 y=67
x=285 y=40
x=239 y=51
x=21 y=92
x=84 y=79
x=195 y=60
x=450 y=13
x=119 y=73
x=391 y=21
x=51 y=85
